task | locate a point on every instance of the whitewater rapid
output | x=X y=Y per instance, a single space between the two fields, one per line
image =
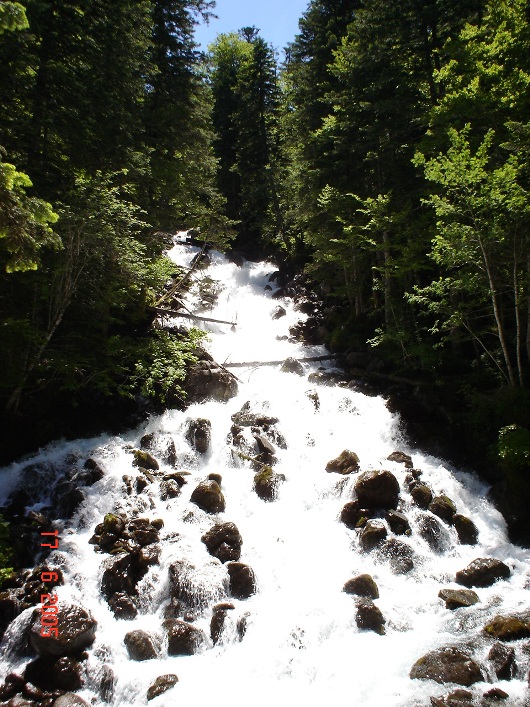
x=302 y=642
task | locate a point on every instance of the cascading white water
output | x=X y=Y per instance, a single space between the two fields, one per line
x=302 y=641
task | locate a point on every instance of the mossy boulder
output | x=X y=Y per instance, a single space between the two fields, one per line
x=209 y=497
x=447 y=665
x=466 y=530
x=508 y=628
x=421 y=495
x=145 y=460
x=353 y=515
x=266 y=483
x=346 y=463
x=443 y=507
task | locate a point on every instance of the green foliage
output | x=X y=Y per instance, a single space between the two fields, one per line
x=6 y=552
x=514 y=447
x=12 y=17
x=24 y=222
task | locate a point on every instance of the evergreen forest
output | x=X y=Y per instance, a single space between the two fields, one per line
x=384 y=162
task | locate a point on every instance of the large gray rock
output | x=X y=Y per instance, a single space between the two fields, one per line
x=207 y=379
x=291 y=365
x=208 y=496
x=447 y=665
x=483 y=572
x=377 y=489
x=76 y=631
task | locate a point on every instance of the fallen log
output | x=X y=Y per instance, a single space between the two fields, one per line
x=277 y=363
x=187 y=315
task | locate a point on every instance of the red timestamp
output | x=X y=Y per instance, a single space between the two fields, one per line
x=49 y=602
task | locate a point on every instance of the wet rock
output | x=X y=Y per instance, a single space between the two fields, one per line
x=223 y=541
x=169 y=489
x=264 y=445
x=363 y=586
x=503 y=659
x=483 y=572
x=421 y=495
x=313 y=396
x=76 y=630
x=457 y=698
x=377 y=489
x=123 y=607
x=345 y=463
x=179 y=478
x=66 y=499
x=245 y=418
x=353 y=515
x=145 y=460
x=433 y=533
x=91 y=474
x=443 y=507
x=458 y=598
x=373 y=533
x=209 y=497
x=398 y=554
x=140 y=645
x=369 y=617
x=278 y=312
x=106 y=681
x=494 y=695
x=401 y=458
x=70 y=700
x=508 y=628
x=207 y=380
x=291 y=365
x=398 y=522
x=242 y=580
x=67 y=674
x=162 y=684
x=218 y=621
x=118 y=577
x=466 y=530
x=447 y=665
x=113 y=523
x=32 y=692
x=266 y=483
x=10 y=607
x=199 y=434
x=39 y=672
x=182 y=638
x=242 y=625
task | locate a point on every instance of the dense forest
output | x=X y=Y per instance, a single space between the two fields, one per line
x=387 y=159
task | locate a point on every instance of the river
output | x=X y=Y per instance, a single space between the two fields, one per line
x=302 y=641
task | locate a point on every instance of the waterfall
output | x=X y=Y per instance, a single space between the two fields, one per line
x=298 y=635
